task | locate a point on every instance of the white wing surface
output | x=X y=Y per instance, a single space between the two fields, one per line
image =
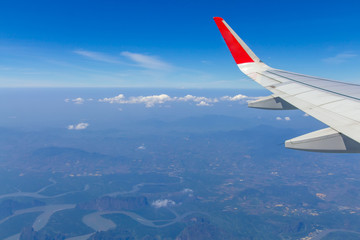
x=337 y=104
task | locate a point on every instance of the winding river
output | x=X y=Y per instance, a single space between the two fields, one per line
x=94 y=220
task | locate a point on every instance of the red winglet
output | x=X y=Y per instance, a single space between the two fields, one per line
x=237 y=51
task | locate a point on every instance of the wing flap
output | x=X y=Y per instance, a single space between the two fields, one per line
x=271 y=103
x=324 y=140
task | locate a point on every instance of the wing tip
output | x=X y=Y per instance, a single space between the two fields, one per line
x=238 y=49
x=218 y=19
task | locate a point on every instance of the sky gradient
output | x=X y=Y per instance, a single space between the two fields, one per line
x=171 y=43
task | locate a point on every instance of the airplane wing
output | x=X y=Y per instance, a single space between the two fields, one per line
x=334 y=103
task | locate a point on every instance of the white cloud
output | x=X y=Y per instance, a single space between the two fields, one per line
x=141 y=147
x=188 y=191
x=306 y=115
x=340 y=58
x=203 y=103
x=285 y=118
x=149 y=101
x=163 y=203
x=146 y=61
x=234 y=98
x=152 y=100
x=191 y=98
x=78 y=100
x=117 y=99
x=97 y=56
x=140 y=60
x=79 y=126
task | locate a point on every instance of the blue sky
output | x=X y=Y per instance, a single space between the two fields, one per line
x=171 y=43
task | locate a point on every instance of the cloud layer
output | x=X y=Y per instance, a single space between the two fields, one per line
x=152 y=100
